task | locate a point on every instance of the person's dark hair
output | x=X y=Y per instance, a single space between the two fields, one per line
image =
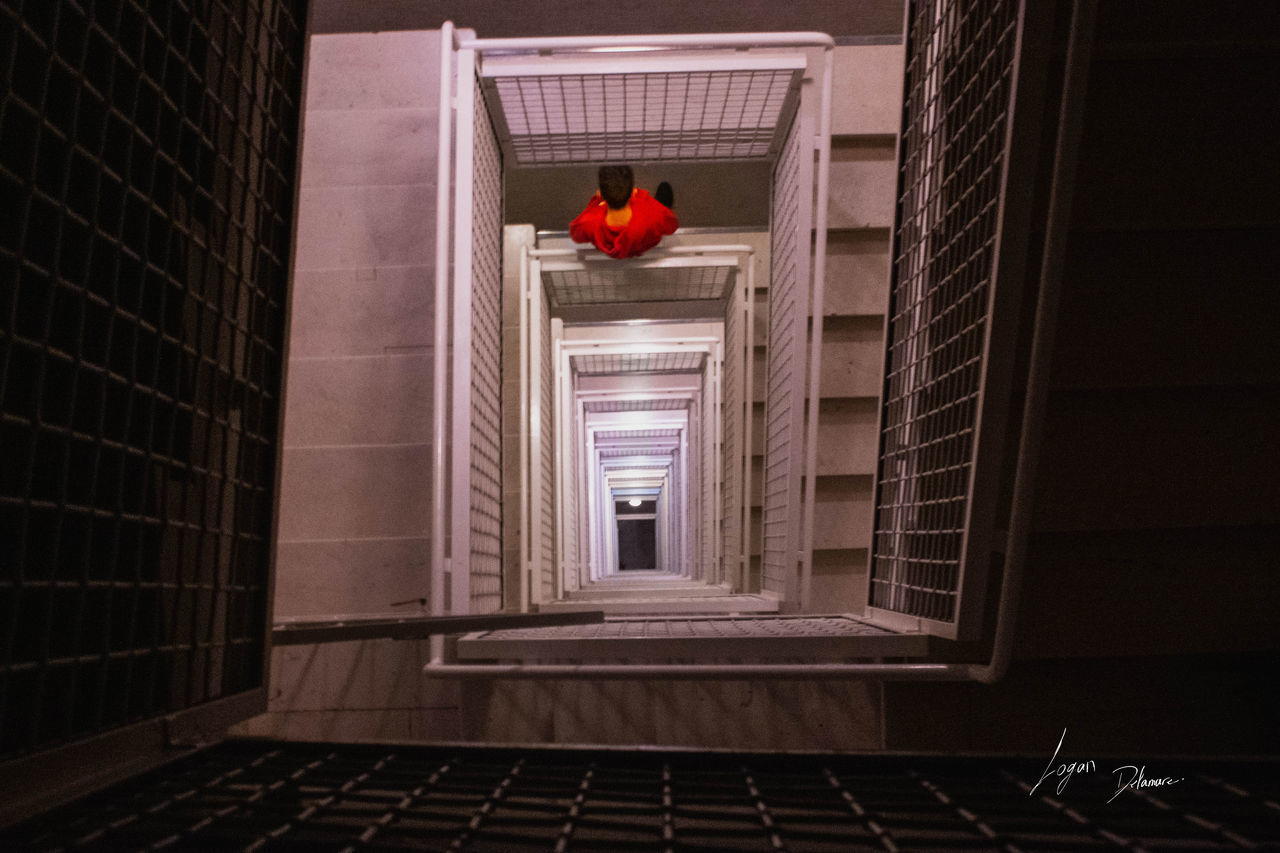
x=616 y=184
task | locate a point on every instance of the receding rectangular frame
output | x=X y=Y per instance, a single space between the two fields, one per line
x=815 y=285
x=709 y=350
x=735 y=472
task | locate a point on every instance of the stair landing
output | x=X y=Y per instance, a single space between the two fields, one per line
x=758 y=638
x=654 y=602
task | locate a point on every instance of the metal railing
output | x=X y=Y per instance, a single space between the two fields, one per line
x=671 y=46
x=1078 y=57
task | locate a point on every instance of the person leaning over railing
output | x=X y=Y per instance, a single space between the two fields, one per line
x=621 y=220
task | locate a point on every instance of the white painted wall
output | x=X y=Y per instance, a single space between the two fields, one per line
x=355 y=489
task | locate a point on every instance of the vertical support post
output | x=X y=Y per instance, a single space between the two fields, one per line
x=440 y=354
x=595 y=553
x=685 y=503
x=533 y=531
x=525 y=573
x=561 y=425
x=823 y=144
x=717 y=458
x=748 y=418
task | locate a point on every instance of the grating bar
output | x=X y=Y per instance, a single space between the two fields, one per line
x=1071 y=814
x=766 y=818
x=400 y=809
x=668 y=811
x=881 y=834
x=486 y=808
x=978 y=825
x=1200 y=823
x=314 y=809
x=575 y=812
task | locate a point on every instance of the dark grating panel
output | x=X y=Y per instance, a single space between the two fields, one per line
x=289 y=796
x=958 y=84
x=146 y=170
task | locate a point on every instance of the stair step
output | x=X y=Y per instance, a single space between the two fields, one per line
x=607 y=590
x=647 y=603
x=755 y=638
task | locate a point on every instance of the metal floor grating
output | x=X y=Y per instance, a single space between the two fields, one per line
x=556 y=110
x=700 y=637
x=681 y=361
x=272 y=796
x=599 y=283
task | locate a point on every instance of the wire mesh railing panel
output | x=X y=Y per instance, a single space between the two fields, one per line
x=296 y=796
x=602 y=116
x=486 y=366
x=147 y=159
x=546 y=456
x=639 y=362
x=732 y=416
x=708 y=526
x=598 y=284
x=958 y=90
x=573 y=502
x=788 y=324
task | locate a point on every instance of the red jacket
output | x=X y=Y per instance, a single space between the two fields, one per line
x=650 y=222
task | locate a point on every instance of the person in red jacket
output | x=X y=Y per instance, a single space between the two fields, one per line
x=623 y=221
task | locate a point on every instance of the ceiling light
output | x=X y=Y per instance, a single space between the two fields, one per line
x=634 y=502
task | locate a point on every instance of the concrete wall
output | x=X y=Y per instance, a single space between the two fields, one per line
x=866 y=108
x=865 y=113
x=355 y=493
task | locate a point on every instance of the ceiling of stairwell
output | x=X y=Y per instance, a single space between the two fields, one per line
x=864 y=20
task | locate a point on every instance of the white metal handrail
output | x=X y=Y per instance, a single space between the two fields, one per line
x=676 y=41
x=440 y=375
